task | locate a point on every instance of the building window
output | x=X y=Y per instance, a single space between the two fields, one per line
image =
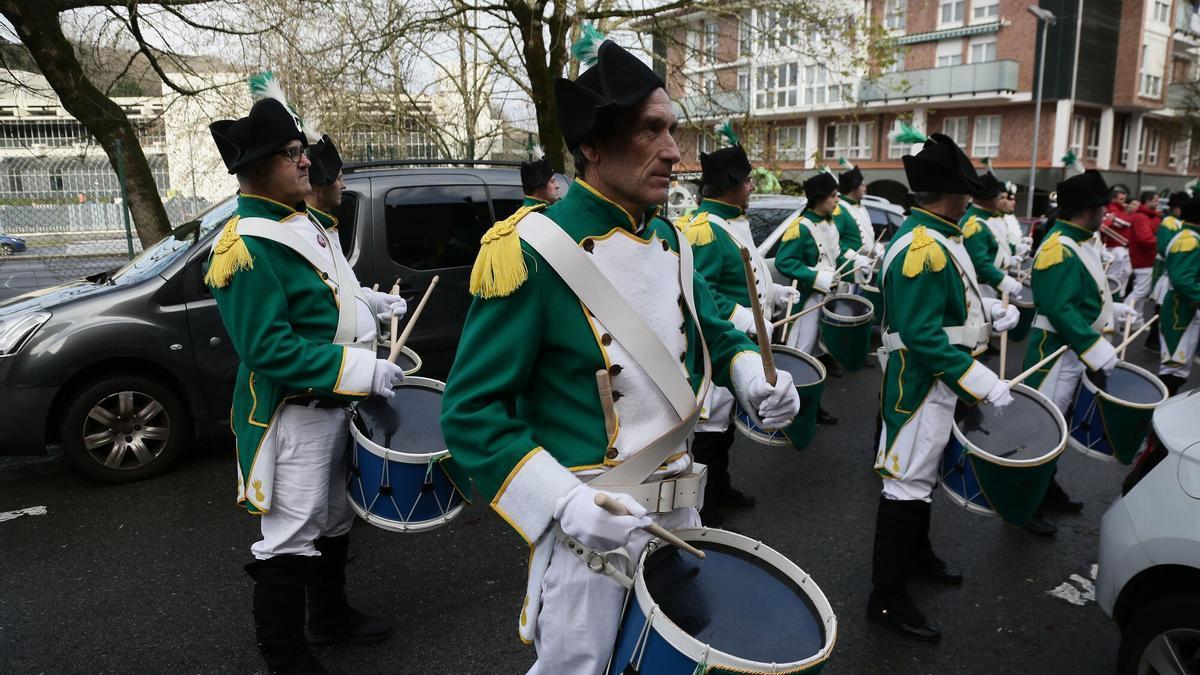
x=1160 y=11
x=709 y=83
x=983 y=49
x=777 y=85
x=950 y=13
x=897 y=64
x=705 y=144
x=1078 y=124
x=895 y=15
x=851 y=140
x=789 y=142
x=1125 y=142
x=987 y=136
x=745 y=35
x=1148 y=148
x=776 y=30
x=710 y=42
x=896 y=150
x=743 y=80
x=956 y=128
x=949 y=53
x=985 y=10
x=56 y=181
x=1151 y=86
x=1092 y=151
x=15 y=183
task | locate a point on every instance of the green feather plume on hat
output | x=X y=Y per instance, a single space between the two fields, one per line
x=825 y=169
x=1193 y=187
x=845 y=163
x=907 y=135
x=586 y=49
x=1074 y=166
x=726 y=132
x=264 y=84
x=987 y=164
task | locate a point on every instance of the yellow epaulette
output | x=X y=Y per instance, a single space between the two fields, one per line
x=499 y=268
x=924 y=254
x=1172 y=223
x=1186 y=242
x=229 y=256
x=681 y=222
x=837 y=210
x=793 y=230
x=1051 y=252
x=972 y=227
x=699 y=232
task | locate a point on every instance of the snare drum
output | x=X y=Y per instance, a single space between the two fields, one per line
x=397 y=481
x=846 y=329
x=744 y=608
x=407 y=359
x=1115 y=289
x=873 y=295
x=1112 y=423
x=808 y=375
x=1026 y=309
x=1000 y=460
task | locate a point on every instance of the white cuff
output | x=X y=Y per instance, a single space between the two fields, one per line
x=358 y=370
x=978 y=380
x=527 y=498
x=1098 y=354
x=824 y=281
x=742 y=318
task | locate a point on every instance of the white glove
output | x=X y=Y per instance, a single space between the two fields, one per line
x=1107 y=366
x=743 y=320
x=595 y=528
x=862 y=275
x=879 y=249
x=775 y=406
x=861 y=262
x=1013 y=262
x=1122 y=310
x=1002 y=319
x=385 y=304
x=1024 y=247
x=1011 y=285
x=1106 y=256
x=999 y=395
x=387 y=376
x=782 y=295
x=824 y=281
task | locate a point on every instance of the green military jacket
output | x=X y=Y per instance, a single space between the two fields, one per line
x=1167 y=229
x=521 y=409
x=849 y=237
x=718 y=257
x=1183 y=299
x=534 y=201
x=799 y=253
x=1067 y=295
x=281 y=316
x=981 y=244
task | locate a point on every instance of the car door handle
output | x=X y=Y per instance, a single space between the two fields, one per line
x=214 y=341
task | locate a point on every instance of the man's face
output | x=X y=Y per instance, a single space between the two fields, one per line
x=636 y=164
x=1090 y=218
x=328 y=197
x=825 y=205
x=1119 y=198
x=956 y=206
x=741 y=193
x=858 y=193
x=285 y=179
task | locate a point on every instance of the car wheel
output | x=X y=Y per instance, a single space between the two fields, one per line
x=7 y=249
x=1163 y=638
x=122 y=429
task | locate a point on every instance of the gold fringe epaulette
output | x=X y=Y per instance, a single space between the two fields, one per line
x=1051 y=252
x=972 y=227
x=1185 y=243
x=1172 y=223
x=229 y=256
x=699 y=232
x=924 y=254
x=500 y=266
x=793 y=230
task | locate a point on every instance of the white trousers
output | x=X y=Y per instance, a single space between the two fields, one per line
x=1062 y=381
x=1141 y=287
x=1180 y=361
x=309 y=499
x=581 y=609
x=1120 y=269
x=914 y=458
x=804 y=331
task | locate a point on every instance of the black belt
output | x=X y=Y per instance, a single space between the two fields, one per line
x=323 y=402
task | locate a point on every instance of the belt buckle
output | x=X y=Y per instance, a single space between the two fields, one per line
x=666 y=496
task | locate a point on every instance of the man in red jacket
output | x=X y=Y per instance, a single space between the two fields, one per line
x=1116 y=221
x=1143 y=238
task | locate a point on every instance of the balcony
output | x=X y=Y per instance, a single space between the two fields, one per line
x=1187 y=18
x=718 y=104
x=970 y=78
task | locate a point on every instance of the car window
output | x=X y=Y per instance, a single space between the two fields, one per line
x=435 y=226
x=506 y=199
x=764 y=221
x=345 y=214
x=879 y=217
x=155 y=259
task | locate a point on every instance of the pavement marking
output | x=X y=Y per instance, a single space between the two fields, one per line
x=1079 y=593
x=31 y=511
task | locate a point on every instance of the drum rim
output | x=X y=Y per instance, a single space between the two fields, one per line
x=396 y=455
x=972 y=449
x=807 y=358
x=1162 y=388
x=842 y=319
x=402 y=527
x=692 y=648
x=781 y=440
x=405 y=350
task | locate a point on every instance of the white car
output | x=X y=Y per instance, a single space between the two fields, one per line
x=1149 y=577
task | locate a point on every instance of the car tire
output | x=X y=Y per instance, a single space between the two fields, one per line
x=7 y=249
x=123 y=429
x=1161 y=637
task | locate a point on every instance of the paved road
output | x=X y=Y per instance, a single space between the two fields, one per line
x=18 y=275
x=147 y=577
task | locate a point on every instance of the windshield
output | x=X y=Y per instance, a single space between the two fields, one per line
x=763 y=221
x=153 y=260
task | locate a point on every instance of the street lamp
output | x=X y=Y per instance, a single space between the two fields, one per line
x=1046 y=18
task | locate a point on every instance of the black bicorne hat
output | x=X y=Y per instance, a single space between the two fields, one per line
x=326 y=162
x=587 y=107
x=535 y=174
x=1086 y=190
x=820 y=186
x=848 y=180
x=941 y=166
x=724 y=168
x=992 y=186
x=1189 y=210
x=1177 y=199
x=267 y=128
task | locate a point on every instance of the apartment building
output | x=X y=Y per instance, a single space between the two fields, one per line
x=1114 y=72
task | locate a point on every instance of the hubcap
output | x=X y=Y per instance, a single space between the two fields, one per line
x=126 y=430
x=1172 y=652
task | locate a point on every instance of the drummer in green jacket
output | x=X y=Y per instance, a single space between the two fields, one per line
x=538 y=182
x=1180 y=316
x=304 y=331
x=934 y=322
x=980 y=239
x=1167 y=229
x=1074 y=308
x=523 y=414
x=719 y=231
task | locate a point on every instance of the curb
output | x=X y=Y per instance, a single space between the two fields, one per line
x=25 y=467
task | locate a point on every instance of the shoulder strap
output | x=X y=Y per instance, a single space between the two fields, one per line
x=762 y=276
x=1097 y=273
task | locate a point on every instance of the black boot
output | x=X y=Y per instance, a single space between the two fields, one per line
x=832 y=368
x=1174 y=383
x=711 y=448
x=1038 y=525
x=1057 y=499
x=897 y=532
x=330 y=616
x=279 y=614
x=825 y=417
x=926 y=563
x=1152 y=343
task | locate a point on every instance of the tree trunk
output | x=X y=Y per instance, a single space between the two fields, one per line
x=543 y=64
x=38 y=27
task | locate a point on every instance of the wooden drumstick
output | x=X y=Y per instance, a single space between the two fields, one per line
x=1125 y=335
x=797 y=315
x=1003 y=336
x=1121 y=347
x=616 y=508
x=395 y=321
x=1032 y=369
x=412 y=321
x=607 y=403
x=788 y=310
x=760 y=324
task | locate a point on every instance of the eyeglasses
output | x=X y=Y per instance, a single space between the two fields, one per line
x=293 y=154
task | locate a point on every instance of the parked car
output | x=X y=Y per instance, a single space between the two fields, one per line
x=1149 y=576
x=10 y=244
x=122 y=367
